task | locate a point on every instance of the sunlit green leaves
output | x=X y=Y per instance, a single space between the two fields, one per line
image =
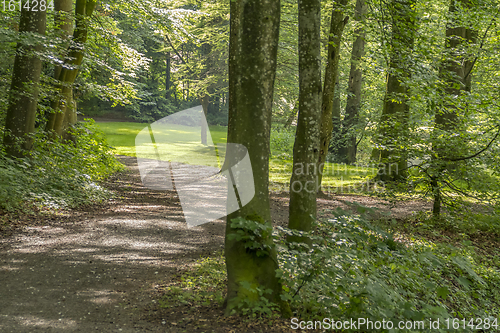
x=355 y=270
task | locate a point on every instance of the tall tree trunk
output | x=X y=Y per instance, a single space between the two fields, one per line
x=176 y=99
x=354 y=86
x=304 y=180
x=456 y=75
x=336 y=136
x=393 y=127
x=254 y=31
x=70 y=116
x=292 y=115
x=453 y=70
x=63 y=19
x=337 y=24
x=470 y=37
x=214 y=103
x=204 y=130
x=63 y=22
x=68 y=74
x=23 y=97
x=167 y=76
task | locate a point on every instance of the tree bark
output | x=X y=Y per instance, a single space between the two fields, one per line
x=456 y=75
x=23 y=97
x=254 y=31
x=354 y=86
x=70 y=116
x=68 y=74
x=393 y=127
x=64 y=21
x=328 y=125
x=335 y=148
x=167 y=76
x=304 y=180
x=204 y=130
x=292 y=115
x=453 y=70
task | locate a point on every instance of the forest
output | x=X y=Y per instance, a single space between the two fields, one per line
x=249 y=165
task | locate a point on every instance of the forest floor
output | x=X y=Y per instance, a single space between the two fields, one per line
x=99 y=268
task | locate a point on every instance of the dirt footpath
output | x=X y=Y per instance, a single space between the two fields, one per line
x=94 y=271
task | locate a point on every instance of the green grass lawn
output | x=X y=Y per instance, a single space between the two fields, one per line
x=121 y=136
x=336 y=177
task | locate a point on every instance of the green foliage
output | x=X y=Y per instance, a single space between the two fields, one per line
x=467 y=225
x=253 y=234
x=56 y=174
x=356 y=270
x=256 y=304
x=202 y=285
x=220 y=118
x=152 y=110
x=149 y=60
x=282 y=141
x=443 y=155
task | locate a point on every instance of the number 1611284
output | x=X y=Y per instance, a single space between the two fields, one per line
x=28 y=5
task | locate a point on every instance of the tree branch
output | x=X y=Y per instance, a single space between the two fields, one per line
x=482 y=43
x=476 y=154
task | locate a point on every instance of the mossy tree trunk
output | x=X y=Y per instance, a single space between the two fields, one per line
x=394 y=121
x=336 y=142
x=168 y=70
x=63 y=109
x=330 y=124
x=455 y=73
x=63 y=20
x=351 y=121
x=23 y=97
x=304 y=180
x=254 y=31
x=455 y=70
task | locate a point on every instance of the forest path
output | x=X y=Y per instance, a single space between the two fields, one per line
x=95 y=270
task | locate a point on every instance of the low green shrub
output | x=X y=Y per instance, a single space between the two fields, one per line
x=469 y=223
x=355 y=270
x=56 y=174
x=282 y=141
x=204 y=284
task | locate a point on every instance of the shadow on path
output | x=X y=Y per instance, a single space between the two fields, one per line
x=95 y=273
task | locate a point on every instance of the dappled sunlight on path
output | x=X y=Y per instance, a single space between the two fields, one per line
x=96 y=272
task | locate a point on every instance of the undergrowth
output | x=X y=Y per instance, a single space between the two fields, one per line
x=58 y=175
x=203 y=285
x=355 y=269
